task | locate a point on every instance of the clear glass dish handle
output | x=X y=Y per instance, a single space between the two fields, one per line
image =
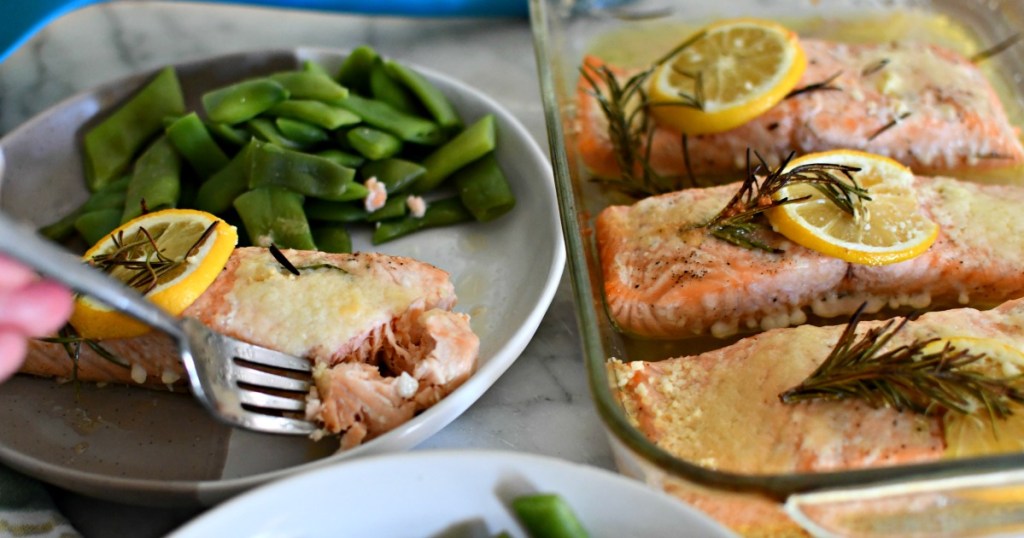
x=988 y=504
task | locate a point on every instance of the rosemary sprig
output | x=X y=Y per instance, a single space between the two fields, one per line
x=281 y=259
x=892 y=123
x=874 y=67
x=996 y=49
x=625 y=105
x=147 y=272
x=737 y=222
x=905 y=377
x=825 y=85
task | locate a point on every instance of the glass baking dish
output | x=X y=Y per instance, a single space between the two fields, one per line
x=825 y=503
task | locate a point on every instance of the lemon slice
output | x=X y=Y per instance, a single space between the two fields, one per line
x=890 y=227
x=736 y=68
x=185 y=250
x=976 y=434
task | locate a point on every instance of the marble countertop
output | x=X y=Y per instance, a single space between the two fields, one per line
x=542 y=403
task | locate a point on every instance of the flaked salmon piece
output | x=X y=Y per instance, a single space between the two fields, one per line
x=923 y=105
x=666 y=277
x=386 y=319
x=721 y=409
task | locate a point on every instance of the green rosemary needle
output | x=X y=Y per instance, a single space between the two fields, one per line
x=625 y=106
x=906 y=377
x=142 y=259
x=739 y=223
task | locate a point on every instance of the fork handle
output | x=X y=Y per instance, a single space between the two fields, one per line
x=23 y=244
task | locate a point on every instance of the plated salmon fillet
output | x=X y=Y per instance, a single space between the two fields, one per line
x=378 y=328
x=922 y=105
x=721 y=409
x=666 y=277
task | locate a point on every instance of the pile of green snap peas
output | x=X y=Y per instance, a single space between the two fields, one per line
x=289 y=157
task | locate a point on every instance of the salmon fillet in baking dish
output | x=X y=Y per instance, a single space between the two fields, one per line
x=379 y=330
x=923 y=105
x=665 y=277
x=721 y=409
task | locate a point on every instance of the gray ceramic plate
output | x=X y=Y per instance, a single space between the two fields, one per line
x=148 y=447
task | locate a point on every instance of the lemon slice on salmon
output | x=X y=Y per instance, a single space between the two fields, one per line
x=170 y=256
x=725 y=75
x=977 y=434
x=889 y=227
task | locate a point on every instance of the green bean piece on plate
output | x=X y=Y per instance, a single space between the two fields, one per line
x=396 y=174
x=325 y=211
x=331 y=237
x=300 y=131
x=354 y=72
x=189 y=136
x=484 y=189
x=373 y=143
x=469 y=145
x=322 y=114
x=303 y=173
x=547 y=515
x=385 y=88
x=266 y=130
x=242 y=101
x=274 y=216
x=95 y=225
x=110 y=147
x=442 y=212
x=308 y=85
x=156 y=180
x=217 y=194
x=383 y=116
x=440 y=108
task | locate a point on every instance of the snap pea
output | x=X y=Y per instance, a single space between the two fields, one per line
x=155 y=181
x=315 y=112
x=386 y=89
x=95 y=225
x=396 y=174
x=354 y=72
x=386 y=118
x=430 y=96
x=109 y=147
x=111 y=196
x=243 y=100
x=273 y=215
x=469 y=145
x=332 y=238
x=311 y=66
x=439 y=213
x=229 y=134
x=308 y=85
x=303 y=173
x=484 y=189
x=323 y=210
x=373 y=143
x=216 y=194
x=393 y=208
x=547 y=516
x=190 y=138
x=344 y=158
x=264 y=129
x=304 y=133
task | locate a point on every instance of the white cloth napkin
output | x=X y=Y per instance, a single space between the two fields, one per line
x=26 y=509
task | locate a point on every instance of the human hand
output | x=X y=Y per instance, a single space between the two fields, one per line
x=29 y=306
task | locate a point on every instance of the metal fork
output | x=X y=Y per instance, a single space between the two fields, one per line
x=239 y=383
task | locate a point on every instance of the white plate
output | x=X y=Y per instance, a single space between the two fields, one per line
x=148 y=447
x=426 y=493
